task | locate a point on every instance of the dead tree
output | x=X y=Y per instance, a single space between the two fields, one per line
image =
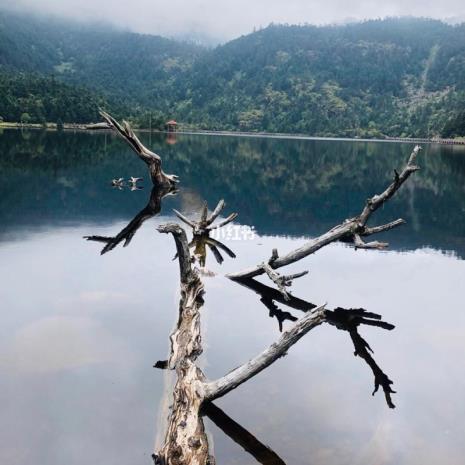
x=153 y=161
x=126 y=235
x=185 y=440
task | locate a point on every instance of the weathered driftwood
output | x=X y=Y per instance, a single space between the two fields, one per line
x=205 y=223
x=185 y=440
x=152 y=208
x=352 y=230
x=241 y=374
x=153 y=161
x=281 y=281
x=201 y=230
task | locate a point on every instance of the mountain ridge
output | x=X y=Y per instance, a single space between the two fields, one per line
x=394 y=77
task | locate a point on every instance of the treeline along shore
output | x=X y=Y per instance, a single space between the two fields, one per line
x=93 y=127
x=401 y=77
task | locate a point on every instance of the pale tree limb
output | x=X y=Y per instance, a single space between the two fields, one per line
x=384 y=227
x=153 y=161
x=360 y=244
x=281 y=281
x=218 y=209
x=205 y=223
x=226 y=221
x=220 y=387
x=344 y=319
x=345 y=231
x=184 y=219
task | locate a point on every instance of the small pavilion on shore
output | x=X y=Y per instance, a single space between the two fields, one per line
x=171 y=126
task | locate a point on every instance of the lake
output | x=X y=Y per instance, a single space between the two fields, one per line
x=81 y=331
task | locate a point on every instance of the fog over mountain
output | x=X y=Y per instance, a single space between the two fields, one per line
x=211 y=21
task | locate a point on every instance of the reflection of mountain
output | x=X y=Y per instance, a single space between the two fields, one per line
x=284 y=187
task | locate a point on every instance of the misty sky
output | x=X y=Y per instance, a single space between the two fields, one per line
x=224 y=19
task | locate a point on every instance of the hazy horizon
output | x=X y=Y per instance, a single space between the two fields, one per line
x=213 y=22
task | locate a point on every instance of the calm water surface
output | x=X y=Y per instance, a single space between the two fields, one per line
x=80 y=332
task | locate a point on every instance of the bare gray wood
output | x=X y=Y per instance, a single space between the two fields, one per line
x=347 y=229
x=241 y=374
x=152 y=160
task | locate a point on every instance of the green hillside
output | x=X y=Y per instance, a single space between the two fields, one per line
x=395 y=77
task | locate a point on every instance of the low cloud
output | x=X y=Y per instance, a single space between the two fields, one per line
x=224 y=20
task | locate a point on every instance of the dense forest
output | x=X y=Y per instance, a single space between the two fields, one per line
x=394 y=77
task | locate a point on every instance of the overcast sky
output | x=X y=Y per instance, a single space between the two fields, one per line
x=226 y=19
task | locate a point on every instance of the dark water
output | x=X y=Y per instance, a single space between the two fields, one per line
x=80 y=332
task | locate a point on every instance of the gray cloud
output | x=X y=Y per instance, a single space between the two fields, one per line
x=223 y=20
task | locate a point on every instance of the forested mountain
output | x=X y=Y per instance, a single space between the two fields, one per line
x=395 y=77
x=40 y=99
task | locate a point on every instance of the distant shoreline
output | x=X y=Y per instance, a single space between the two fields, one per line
x=96 y=128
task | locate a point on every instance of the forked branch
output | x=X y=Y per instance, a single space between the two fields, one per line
x=153 y=161
x=204 y=225
x=350 y=230
x=281 y=281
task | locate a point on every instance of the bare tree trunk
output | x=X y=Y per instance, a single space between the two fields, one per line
x=185 y=440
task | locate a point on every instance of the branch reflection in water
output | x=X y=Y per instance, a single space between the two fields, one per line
x=344 y=319
x=152 y=209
